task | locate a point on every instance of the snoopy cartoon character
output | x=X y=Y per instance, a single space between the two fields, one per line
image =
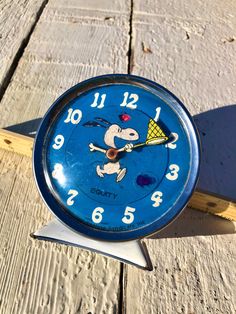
x=112 y=132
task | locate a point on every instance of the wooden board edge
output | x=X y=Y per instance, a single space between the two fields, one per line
x=214 y=204
x=16 y=143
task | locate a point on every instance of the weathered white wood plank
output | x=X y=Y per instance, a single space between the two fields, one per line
x=16 y=20
x=119 y=6
x=192 y=52
x=189 y=47
x=69 y=44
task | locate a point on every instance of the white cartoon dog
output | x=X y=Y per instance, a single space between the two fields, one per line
x=113 y=131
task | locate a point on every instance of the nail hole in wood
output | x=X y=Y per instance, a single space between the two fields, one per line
x=7 y=141
x=211 y=204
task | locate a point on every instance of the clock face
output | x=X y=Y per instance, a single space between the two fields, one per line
x=116 y=157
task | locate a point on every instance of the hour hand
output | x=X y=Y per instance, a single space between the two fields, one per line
x=93 y=148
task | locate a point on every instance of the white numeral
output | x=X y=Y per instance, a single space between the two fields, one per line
x=74 y=116
x=128 y=215
x=158 y=111
x=133 y=98
x=97 y=215
x=173 y=174
x=175 y=137
x=59 y=141
x=157 y=198
x=96 y=98
x=73 y=194
x=58 y=174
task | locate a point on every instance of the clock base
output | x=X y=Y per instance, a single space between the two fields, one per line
x=131 y=252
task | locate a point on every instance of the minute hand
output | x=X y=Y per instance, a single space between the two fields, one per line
x=155 y=141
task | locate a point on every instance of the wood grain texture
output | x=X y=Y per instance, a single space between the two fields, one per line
x=16 y=143
x=188 y=48
x=214 y=204
x=16 y=20
x=71 y=42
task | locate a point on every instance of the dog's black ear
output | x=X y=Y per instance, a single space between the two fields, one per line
x=103 y=120
x=93 y=124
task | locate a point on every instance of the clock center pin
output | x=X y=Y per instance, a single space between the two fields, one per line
x=112 y=153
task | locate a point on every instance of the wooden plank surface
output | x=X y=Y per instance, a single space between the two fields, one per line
x=16 y=20
x=71 y=42
x=189 y=47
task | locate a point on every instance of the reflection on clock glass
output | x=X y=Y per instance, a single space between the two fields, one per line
x=117 y=157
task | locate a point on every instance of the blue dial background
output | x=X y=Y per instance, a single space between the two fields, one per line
x=79 y=164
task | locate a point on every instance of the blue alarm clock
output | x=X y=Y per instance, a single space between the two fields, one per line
x=116 y=157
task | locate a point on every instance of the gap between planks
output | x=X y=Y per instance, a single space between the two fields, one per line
x=20 y=51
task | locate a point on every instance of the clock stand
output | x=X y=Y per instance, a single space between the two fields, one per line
x=132 y=252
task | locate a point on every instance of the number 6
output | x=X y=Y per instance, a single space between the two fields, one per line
x=97 y=215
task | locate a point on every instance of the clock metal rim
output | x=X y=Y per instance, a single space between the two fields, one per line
x=67 y=218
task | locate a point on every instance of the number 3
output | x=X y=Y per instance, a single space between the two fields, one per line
x=173 y=174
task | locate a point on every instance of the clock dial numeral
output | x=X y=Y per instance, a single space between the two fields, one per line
x=158 y=111
x=96 y=99
x=97 y=215
x=58 y=174
x=74 y=116
x=157 y=198
x=173 y=174
x=171 y=145
x=130 y=100
x=73 y=194
x=128 y=215
x=58 y=141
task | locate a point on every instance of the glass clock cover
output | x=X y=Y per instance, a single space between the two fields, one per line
x=116 y=157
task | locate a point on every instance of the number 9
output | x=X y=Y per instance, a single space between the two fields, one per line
x=59 y=141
